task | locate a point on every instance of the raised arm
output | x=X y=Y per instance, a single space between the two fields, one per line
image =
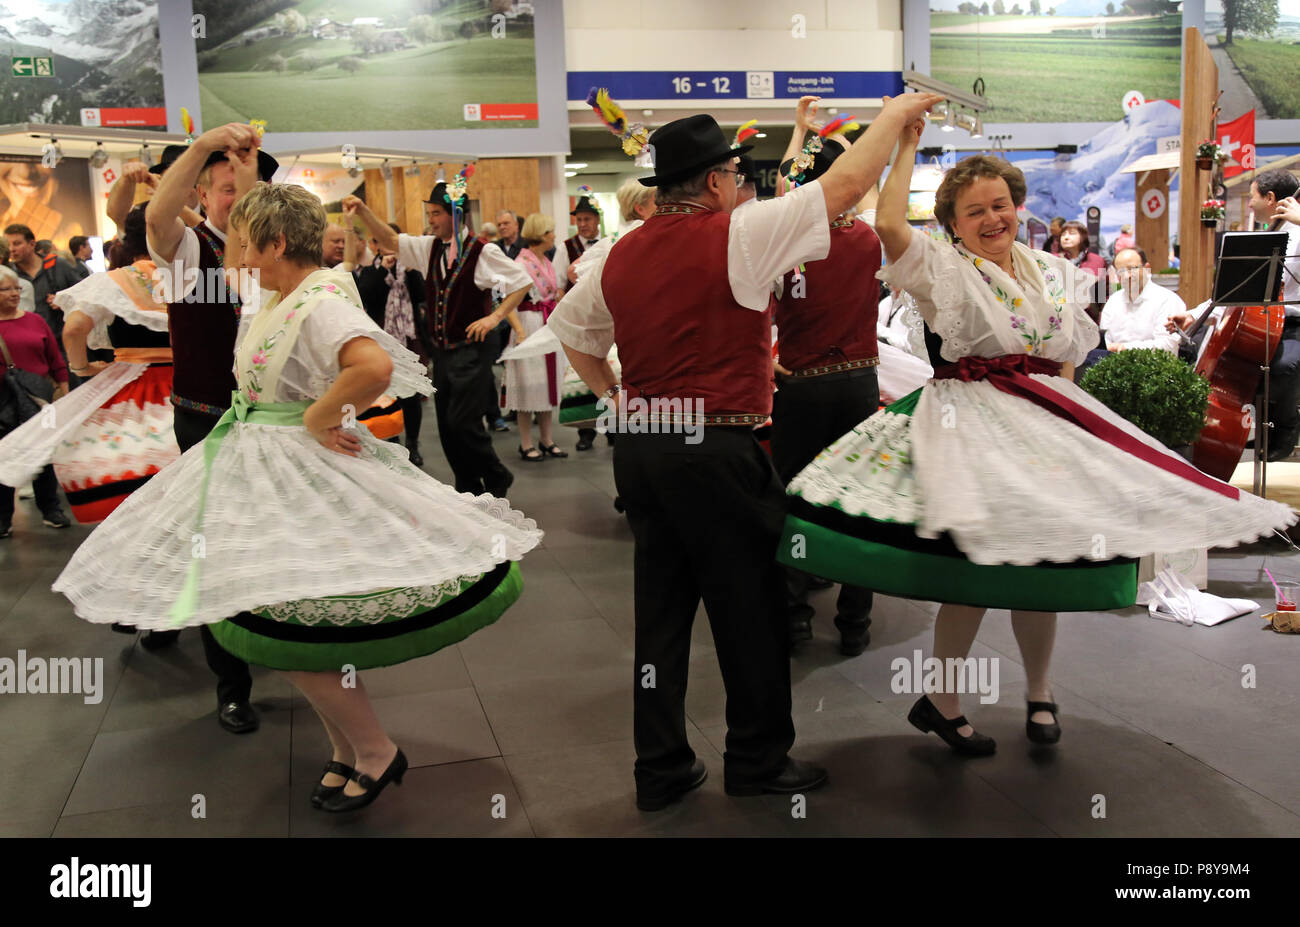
x=378 y=228
x=121 y=197
x=855 y=171
x=163 y=215
x=891 y=209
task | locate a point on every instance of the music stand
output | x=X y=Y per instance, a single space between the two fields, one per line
x=1247 y=273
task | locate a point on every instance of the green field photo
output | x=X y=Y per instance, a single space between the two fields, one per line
x=327 y=65
x=1035 y=71
x=1272 y=69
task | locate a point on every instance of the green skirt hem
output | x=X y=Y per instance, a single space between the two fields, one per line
x=257 y=648
x=1047 y=587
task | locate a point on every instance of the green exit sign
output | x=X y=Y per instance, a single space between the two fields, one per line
x=31 y=66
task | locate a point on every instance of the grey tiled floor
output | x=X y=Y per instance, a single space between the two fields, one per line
x=525 y=728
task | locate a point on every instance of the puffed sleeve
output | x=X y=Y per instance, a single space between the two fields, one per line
x=931 y=272
x=335 y=322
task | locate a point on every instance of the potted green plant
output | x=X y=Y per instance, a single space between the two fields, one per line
x=1167 y=278
x=1207 y=153
x=1155 y=391
x=1212 y=212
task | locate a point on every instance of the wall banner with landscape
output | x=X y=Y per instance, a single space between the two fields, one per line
x=82 y=62
x=1256 y=44
x=330 y=65
x=1068 y=61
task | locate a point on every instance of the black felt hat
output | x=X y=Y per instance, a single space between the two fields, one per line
x=266 y=165
x=439 y=196
x=170 y=154
x=686 y=146
x=822 y=161
x=584 y=205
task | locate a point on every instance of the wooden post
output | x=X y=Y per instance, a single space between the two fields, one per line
x=1152 y=234
x=1195 y=242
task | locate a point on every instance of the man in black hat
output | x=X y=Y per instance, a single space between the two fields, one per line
x=203 y=317
x=587 y=218
x=469 y=290
x=702 y=498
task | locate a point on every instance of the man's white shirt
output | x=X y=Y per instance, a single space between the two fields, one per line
x=764 y=240
x=1140 y=322
x=494 y=268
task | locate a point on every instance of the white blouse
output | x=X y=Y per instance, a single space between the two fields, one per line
x=1042 y=312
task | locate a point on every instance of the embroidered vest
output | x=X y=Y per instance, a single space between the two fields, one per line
x=452 y=299
x=830 y=315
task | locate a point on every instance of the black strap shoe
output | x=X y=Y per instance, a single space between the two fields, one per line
x=794 y=776
x=663 y=797
x=1042 y=733
x=238 y=717
x=853 y=641
x=322 y=792
x=344 y=802
x=925 y=717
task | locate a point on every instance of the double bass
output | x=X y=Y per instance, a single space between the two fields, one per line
x=1245 y=339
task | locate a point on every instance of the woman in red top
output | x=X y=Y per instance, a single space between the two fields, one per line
x=31 y=345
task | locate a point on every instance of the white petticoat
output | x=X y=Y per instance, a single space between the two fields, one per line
x=286 y=520
x=1014 y=484
x=34 y=443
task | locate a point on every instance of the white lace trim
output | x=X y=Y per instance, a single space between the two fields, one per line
x=367 y=609
x=866 y=472
x=286 y=520
x=101 y=300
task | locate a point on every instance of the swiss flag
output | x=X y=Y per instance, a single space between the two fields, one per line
x=1237 y=139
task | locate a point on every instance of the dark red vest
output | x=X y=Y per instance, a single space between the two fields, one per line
x=834 y=320
x=203 y=327
x=452 y=303
x=680 y=332
x=575 y=247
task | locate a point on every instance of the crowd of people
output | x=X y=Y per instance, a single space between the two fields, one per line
x=218 y=449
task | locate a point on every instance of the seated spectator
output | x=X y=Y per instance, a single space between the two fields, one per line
x=1137 y=315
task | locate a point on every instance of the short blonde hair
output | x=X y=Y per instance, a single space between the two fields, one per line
x=271 y=210
x=536 y=226
x=632 y=194
x=7 y=273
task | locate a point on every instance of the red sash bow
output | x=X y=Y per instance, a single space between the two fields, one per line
x=1010 y=373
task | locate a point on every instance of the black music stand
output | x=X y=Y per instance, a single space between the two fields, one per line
x=1247 y=273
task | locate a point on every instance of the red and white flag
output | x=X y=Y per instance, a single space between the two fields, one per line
x=1237 y=139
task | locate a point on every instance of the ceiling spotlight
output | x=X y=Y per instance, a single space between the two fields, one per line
x=939 y=112
x=760 y=135
x=441 y=176
x=414 y=169
x=575 y=166
x=146 y=156
x=51 y=153
x=949 y=123
x=354 y=172
x=570 y=173
x=98 y=157
x=385 y=171
x=977 y=130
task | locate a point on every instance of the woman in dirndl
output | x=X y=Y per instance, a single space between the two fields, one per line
x=113 y=433
x=532 y=384
x=330 y=548
x=999 y=484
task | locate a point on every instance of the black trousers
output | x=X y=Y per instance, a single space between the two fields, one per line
x=412 y=416
x=462 y=377
x=707 y=518
x=45 y=488
x=234 y=682
x=1284 y=382
x=808 y=415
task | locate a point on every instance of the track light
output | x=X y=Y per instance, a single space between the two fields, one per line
x=51 y=153
x=98 y=157
x=977 y=131
x=950 y=121
x=146 y=156
x=385 y=171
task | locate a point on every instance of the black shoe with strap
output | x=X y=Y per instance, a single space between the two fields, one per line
x=553 y=450
x=925 y=717
x=345 y=802
x=1042 y=733
x=531 y=454
x=321 y=792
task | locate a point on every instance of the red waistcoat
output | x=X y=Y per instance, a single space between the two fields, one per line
x=203 y=327
x=453 y=303
x=680 y=332
x=830 y=316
